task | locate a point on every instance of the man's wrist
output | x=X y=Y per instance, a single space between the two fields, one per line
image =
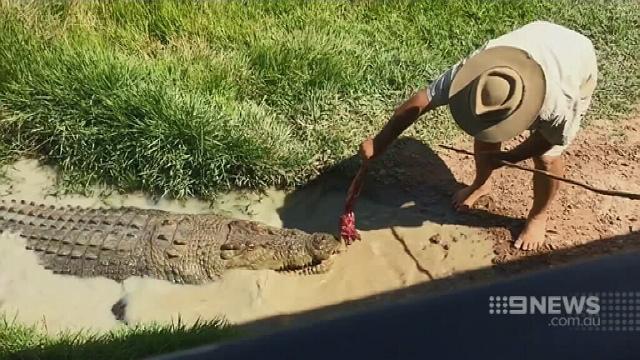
x=380 y=143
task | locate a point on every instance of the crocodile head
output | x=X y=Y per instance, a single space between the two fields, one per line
x=279 y=249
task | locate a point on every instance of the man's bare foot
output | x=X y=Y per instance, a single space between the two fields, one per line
x=465 y=198
x=533 y=235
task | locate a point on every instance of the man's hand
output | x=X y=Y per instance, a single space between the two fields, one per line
x=367 y=150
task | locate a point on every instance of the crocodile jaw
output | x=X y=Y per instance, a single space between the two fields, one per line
x=309 y=254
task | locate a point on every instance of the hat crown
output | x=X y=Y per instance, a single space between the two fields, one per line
x=495 y=90
x=498 y=89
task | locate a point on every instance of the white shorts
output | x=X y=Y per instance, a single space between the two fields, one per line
x=556 y=150
x=586 y=94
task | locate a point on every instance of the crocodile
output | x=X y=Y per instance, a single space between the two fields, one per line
x=118 y=243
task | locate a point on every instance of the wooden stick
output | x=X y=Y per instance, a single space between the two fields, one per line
x=625 y=194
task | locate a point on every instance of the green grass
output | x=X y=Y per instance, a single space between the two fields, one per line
x=193 y=98
x=23 y=342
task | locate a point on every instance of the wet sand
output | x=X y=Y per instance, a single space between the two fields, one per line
x=386 y=259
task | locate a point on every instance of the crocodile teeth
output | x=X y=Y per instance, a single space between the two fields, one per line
x=319 y=268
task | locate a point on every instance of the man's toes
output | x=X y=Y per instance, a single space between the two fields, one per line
x=533 y=245
x=529 y=245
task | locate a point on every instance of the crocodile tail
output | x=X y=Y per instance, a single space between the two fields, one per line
x=82 y=241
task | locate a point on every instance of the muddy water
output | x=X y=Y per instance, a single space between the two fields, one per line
x=389 y=257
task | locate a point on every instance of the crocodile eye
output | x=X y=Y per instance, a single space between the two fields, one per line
x=251 y=246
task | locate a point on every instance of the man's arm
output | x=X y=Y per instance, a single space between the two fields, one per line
x=403 y=117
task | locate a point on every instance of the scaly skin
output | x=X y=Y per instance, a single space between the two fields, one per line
x=188 y=249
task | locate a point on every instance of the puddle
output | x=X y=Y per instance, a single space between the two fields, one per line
x=387 y=258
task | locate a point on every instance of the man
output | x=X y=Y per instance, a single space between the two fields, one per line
x=539 y=77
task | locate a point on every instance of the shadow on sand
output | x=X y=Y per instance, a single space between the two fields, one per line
x=411 y=183
x=412 y=173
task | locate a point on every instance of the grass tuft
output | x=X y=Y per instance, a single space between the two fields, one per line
x=30 y=342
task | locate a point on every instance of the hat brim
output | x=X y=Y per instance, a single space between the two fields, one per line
x=461 y=91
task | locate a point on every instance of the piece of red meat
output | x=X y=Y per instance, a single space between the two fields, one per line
x=348 y=230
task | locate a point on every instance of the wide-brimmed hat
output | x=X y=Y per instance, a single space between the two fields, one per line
x=497 y=93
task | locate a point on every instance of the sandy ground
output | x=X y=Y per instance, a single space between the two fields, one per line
x=606 y=156
x=387 y=258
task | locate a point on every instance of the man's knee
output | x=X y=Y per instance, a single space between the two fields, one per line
x=479 y=145
x=548 y=163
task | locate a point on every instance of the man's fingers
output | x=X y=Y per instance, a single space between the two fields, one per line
x=367 y=149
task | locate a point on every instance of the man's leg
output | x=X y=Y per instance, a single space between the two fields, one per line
x=465 y=198
x=544 y=191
